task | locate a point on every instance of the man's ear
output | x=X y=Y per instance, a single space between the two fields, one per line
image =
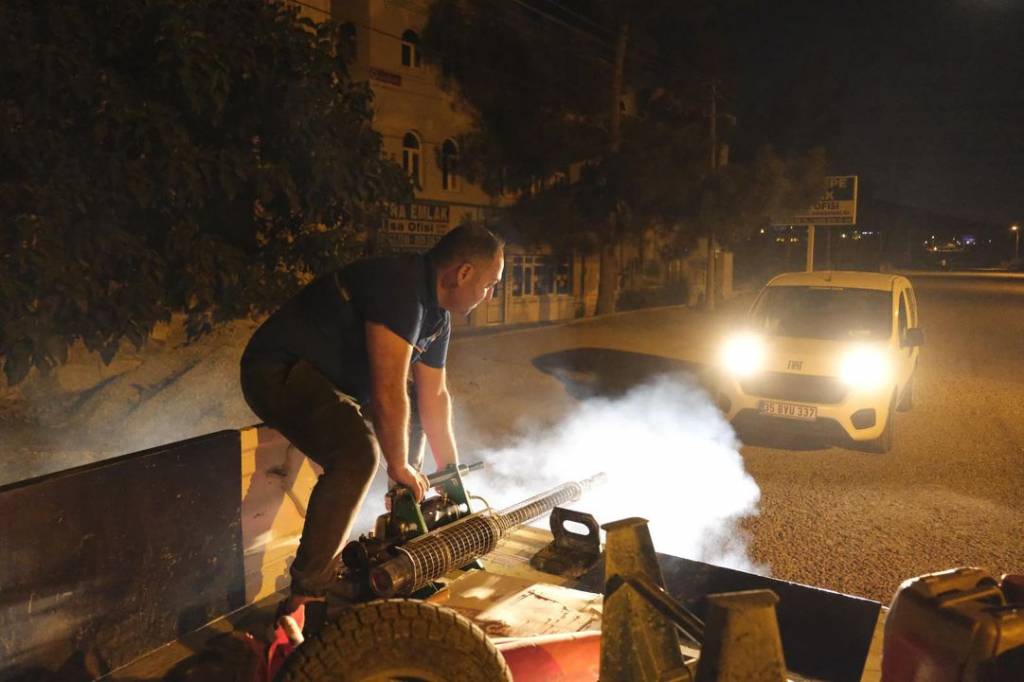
x=464 y=272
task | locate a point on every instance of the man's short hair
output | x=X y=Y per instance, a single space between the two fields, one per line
x=467 y=242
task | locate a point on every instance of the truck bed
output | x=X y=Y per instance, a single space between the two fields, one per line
x=507 y=574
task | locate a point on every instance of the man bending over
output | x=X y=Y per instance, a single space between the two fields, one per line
x=353 y=363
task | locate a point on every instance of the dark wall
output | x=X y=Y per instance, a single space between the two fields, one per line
x=106 y=562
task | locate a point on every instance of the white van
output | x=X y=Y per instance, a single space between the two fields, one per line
x=832 y=353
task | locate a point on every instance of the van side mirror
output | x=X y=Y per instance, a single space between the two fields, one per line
x=913 y=337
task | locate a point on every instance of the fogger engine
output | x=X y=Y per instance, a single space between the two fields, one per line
x=415 y=544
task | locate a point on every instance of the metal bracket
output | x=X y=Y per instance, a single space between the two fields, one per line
x=637 y=641
x=742 y=641
x=570 y=554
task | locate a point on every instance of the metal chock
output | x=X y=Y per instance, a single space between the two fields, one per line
x=570 y=554
x=742 y=642
x=638 y=643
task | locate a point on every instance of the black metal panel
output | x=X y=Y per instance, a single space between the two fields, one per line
x=825 y=635
x=800 y=387
x=108 y=561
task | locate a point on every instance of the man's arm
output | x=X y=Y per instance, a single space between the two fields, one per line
x=389 y=357
x=435 y=406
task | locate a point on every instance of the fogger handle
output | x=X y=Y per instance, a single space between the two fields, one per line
x=439 y=477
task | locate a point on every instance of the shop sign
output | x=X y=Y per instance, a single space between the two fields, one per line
x=415 y=225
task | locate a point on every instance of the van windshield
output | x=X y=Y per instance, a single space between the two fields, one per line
x=824 y=313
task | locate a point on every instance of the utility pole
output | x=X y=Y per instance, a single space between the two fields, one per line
x=828 y=249
x=810 y=248
x=607 y=287
x=709 y=270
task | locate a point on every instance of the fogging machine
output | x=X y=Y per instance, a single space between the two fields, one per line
x=414 y=544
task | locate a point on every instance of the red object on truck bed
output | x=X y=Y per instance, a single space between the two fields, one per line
x=961 y=624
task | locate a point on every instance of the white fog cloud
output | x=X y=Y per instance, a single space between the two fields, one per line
x=670 y=458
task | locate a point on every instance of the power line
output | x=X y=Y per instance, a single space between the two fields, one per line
x=534 y=87
x=575 y=29
x=647 y=58
x=640 y=55
x=505 y=18
x=582 y=17
x=497 y=4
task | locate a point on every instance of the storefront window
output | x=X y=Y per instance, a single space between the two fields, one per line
x=544 y=277
x=563 y=275
x=499 y=288
x=517 y=277
x=541 y=275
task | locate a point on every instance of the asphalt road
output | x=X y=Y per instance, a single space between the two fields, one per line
x=950 y=493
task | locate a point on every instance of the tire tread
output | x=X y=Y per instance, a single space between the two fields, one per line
x=368 y=633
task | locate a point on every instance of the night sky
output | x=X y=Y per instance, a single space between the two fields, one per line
x=923 y=100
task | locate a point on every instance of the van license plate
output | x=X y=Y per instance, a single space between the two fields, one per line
x=774 y=408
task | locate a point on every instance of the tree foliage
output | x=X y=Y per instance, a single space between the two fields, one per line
x=766 y=187
x=164 y=155
x=541 y=80
x=541 y=91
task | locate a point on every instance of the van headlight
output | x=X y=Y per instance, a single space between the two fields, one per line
x=743 y=355
x=865 y=368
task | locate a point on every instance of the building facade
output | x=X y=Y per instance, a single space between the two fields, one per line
x=420 y=124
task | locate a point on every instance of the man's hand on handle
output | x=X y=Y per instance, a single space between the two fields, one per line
x=414 y=480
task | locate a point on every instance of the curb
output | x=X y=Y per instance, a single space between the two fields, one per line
x=501 y=330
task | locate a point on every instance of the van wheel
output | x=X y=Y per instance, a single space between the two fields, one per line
x=397 y=639
x=883 y=443
x=907 y=401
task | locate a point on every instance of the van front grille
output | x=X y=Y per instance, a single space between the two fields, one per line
x=798 y=387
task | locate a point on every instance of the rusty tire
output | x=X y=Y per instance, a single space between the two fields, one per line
x=404 y=639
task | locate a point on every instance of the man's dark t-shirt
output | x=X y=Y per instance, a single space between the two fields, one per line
x=324 y=323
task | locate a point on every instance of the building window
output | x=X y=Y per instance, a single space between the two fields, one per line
x=411 y=158
x=522 y=276
x=411 y=49
x=541 y=275
x=563 y=274
x=449 y=166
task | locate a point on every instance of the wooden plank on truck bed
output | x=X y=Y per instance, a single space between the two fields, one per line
x=506 y=606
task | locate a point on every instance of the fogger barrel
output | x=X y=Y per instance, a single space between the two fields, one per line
x=428 y=557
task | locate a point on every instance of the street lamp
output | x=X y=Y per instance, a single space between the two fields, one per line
x=1016 y=241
